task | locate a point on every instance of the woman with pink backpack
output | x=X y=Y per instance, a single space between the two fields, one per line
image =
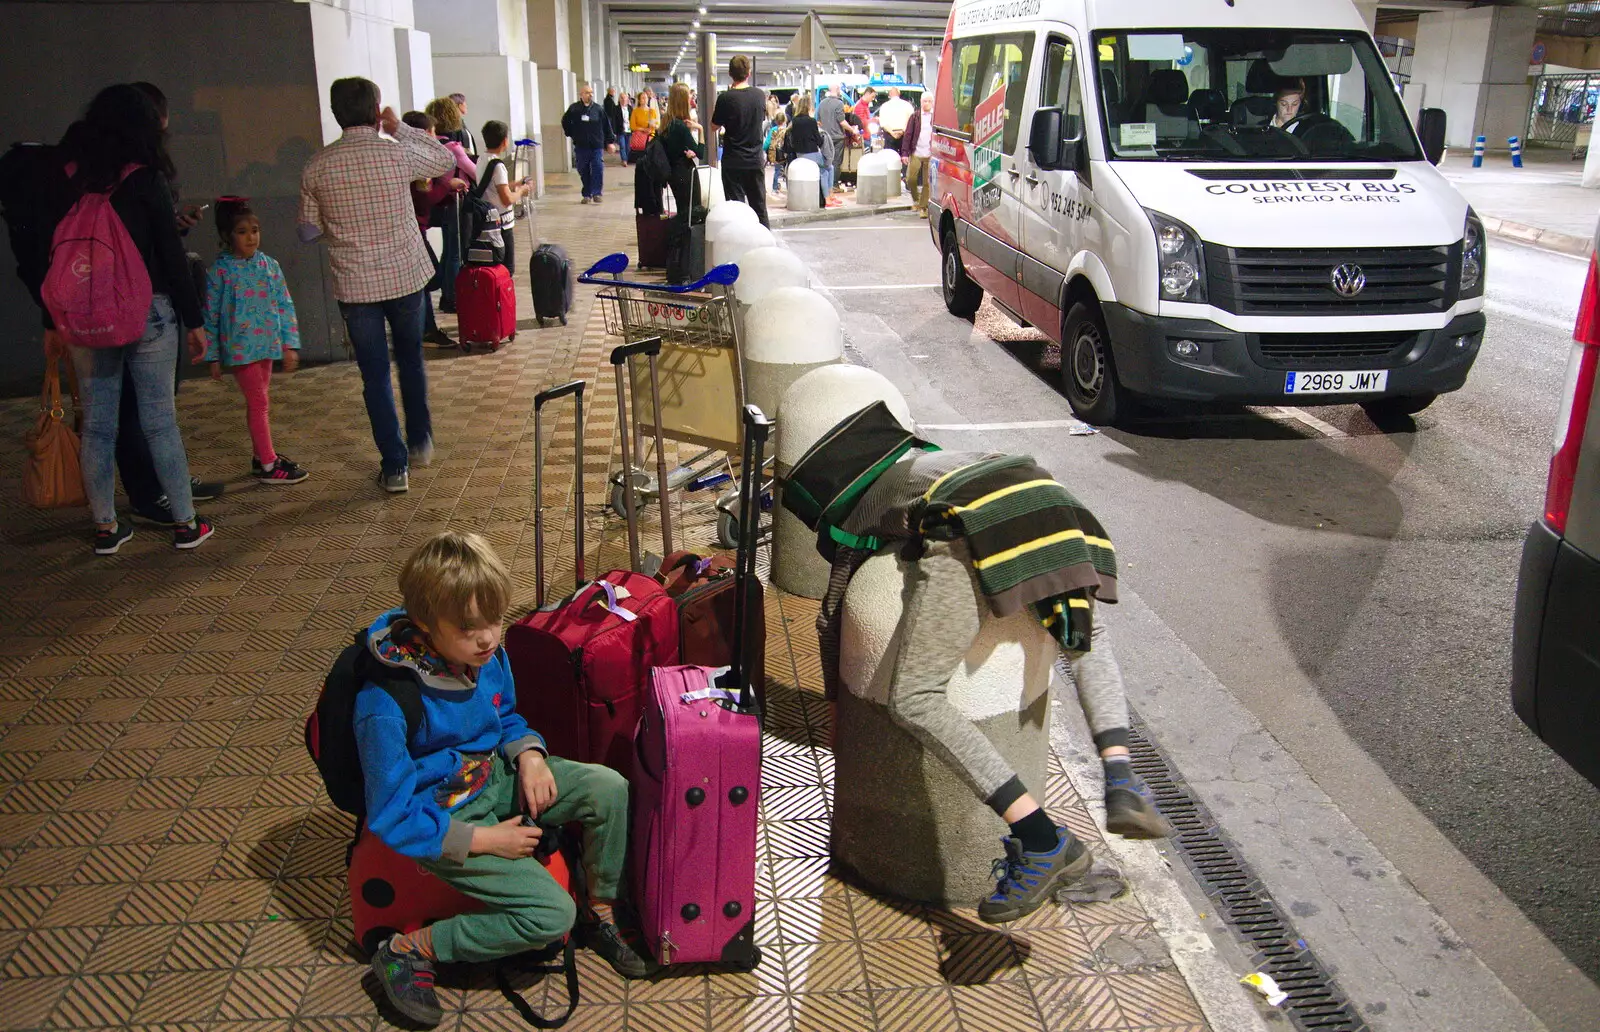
x=119 y=293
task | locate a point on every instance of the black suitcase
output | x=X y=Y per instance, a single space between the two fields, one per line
x=686 y=243
x=550 y=278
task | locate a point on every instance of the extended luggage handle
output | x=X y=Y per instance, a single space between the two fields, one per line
x=620 y=355
x=614 y=265
x=756 y=429
x=575 y=389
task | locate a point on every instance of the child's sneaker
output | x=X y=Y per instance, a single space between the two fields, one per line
x=611 y=945
x=282 y=471
x=106 y=542
x=394 y=483
x=1130 y=805
x=407 y=980
x=192 y=534
x=1024 y=881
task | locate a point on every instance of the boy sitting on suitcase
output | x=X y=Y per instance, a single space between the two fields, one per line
x=456 y=794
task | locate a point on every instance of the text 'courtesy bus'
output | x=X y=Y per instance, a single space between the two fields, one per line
x=1212 y=200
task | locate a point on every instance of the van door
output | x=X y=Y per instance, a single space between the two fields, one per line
x=989 y=107
x=1057 y=204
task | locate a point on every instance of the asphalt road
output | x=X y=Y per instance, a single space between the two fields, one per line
x=1314 y=566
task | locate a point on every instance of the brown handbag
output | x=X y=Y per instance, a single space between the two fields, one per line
x=53 y=477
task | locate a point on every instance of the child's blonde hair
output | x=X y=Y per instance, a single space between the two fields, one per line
x=455 y=577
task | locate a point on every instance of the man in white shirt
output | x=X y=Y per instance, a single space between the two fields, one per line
x=916 y=147
x=892 y=118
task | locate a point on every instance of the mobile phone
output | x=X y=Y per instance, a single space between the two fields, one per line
x=201 y=210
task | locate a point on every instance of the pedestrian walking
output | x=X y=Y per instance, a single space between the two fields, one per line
x=616 y=126
x=774 y=146
x=737 y=115
x=584 y=123
x=916 y=147
x=355 y=195
x=892 y=119
x=251 y=324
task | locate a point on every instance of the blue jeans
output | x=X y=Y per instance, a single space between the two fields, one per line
x=591 y=169
x=826 y=170
x=365 y=323
x=622 y=145
x=777 y=176
x=149 y=362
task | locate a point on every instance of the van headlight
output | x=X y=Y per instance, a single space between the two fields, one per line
x=1182 y=257
x=1472 y=257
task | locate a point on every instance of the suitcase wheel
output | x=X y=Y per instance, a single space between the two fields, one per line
x=563 y=320
x=746 y=966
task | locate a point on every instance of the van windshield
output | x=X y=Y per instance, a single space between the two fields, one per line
x=1249 y=95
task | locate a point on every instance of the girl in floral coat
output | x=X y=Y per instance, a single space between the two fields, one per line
x=251 y=324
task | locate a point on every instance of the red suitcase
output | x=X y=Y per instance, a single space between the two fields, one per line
x=703 y=587
x=582 y=665
x=696 y=785
x=652 y=232
x=486 y=306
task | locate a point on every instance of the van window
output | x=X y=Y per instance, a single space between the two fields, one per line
x=1061 y=78
x=1214 y=94
x=991 y=77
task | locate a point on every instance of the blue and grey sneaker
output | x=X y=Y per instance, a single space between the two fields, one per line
x=407 y=980
x=1024 y=881
x=1131 y=806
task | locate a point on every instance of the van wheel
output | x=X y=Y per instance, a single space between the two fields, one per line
x=1382 y=410
x=1087 y=369
x=961 y=296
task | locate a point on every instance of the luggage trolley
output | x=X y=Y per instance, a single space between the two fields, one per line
x=702 y=382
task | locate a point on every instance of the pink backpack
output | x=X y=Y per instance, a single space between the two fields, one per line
x=97 y=290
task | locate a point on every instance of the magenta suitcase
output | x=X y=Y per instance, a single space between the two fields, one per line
x=697 y=782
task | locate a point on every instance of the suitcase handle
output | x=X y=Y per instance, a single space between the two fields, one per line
x=650 y=346
x=614 y=265
x=575 y=389
x=756 y=428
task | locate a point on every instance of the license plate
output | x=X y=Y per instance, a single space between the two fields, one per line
x=1336 y=383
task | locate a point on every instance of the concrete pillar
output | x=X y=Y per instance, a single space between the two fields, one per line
x=930 y=67
x=1474 y=65
x=707 y=90
x=414 y=63
x=1368 y=9
x=874 y=66
x=578 y=26
x=550 y=49
x=903 y=822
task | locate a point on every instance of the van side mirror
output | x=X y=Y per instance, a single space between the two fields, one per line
x=1430 y=129
x=1052 y=139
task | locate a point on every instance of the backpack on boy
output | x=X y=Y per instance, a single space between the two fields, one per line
x=97 y=290
x=330 y=732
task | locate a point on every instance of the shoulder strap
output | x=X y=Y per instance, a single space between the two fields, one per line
x=399 y=686
x=486 y=177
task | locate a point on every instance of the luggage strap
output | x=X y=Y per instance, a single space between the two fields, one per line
x=569 y=962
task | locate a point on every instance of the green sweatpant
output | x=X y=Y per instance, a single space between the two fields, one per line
x=526 y=907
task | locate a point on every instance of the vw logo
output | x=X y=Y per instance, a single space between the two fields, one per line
x=1348 y=280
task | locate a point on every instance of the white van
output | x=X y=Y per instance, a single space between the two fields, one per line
x=1204 y=200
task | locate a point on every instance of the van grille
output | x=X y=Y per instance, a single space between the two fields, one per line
x=1314 y=350
x=1291 y=281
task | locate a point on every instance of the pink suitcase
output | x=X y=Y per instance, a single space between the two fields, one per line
x=697 y=781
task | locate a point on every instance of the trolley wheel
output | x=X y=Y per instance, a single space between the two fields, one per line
x=563 y=320
x=727 y=530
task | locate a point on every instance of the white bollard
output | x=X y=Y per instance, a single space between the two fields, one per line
x=813 y=405
x=872 y=180
x=805 y=191
x=723 y=218
x=892 y=164
x=735 y=240
x=765 y=269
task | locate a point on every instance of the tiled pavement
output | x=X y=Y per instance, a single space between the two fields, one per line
x=168 y=860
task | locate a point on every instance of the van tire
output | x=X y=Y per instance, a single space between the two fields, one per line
x=1389 y=410
x=1088 y=372
x=961 y=296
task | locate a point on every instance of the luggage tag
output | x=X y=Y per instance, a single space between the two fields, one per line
x=613 y=595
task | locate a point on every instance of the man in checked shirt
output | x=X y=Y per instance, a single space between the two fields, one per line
x=355 y=195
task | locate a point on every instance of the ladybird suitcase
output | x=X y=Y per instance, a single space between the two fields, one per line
x=696 y=786
x=486 y=306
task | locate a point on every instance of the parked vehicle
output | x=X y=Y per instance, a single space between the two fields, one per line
x=1123 y=176
x=1555 y=645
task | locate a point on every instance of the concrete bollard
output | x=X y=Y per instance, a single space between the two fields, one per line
x=734 y=241
x=805 y=190
x=892 y=166
x=903 y=822
x=1515 y=143
x=813 y=405
x=723 y=218
x=765 y=269
x=872 y=180
x=1478 y=147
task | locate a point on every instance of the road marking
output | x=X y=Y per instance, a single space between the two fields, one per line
x=1321 y=426
x=1043 y=424
x=1529 y=315
x=850 y=229
x=883 y=286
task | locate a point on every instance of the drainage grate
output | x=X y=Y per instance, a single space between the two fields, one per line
x=1315 y=1003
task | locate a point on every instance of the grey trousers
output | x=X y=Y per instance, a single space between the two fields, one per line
x=942 y=614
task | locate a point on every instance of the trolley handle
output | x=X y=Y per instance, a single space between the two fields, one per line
x=526 y=143
x=650 y=346
x=556 y=393
x=614 y=265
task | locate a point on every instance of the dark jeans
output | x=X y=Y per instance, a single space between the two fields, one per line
x=747 y=185
x=622 y=145
x=365 y=323
x=591 y=169
x=509 y=256
x=449 y=262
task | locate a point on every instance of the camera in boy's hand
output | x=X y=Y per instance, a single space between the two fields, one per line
x=513 y=838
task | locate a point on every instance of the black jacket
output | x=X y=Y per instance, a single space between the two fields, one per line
x=590 y=135
x=614 y=116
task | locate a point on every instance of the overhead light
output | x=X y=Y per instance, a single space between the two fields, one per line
x=696 y=23
x=702 y=10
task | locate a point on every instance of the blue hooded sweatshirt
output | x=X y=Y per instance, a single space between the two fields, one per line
x=414 y=787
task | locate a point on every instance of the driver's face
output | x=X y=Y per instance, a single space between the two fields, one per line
x=1288 y=107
